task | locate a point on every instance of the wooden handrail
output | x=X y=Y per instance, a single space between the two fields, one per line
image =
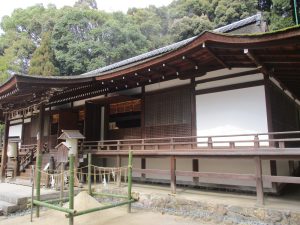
x=209 y=136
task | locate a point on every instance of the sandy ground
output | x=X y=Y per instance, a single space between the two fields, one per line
x=114 y=216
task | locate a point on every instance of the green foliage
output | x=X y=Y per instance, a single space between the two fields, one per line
x=43 y=61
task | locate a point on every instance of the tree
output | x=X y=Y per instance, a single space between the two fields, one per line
x=43 y=60
x=227 y=12
x=86 y=4
x=187 y=27
x=279 y=13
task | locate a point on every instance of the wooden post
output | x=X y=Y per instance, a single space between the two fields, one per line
x=32 y=192
x=143 y=166
x=173 y=174
x=89 y=173
x=291 y=167
x=209 y=143
x=196 y=169
x=4 y=150
x=129 y=180
x=62 y=181
x=259 y=181
x=256 y=142
x=119 y=175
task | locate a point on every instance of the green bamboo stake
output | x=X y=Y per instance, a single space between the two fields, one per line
x=89 y=173
x=38 y=182
x=129 y=180
x=83 y=212
x=55 y=207
x=71 y=188
x=110 y=195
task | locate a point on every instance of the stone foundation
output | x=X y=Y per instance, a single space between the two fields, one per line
x=213 y=212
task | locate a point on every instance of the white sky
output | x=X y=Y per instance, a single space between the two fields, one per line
x=8 y=6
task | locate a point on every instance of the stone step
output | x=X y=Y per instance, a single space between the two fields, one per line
x=7 y=208
x=13 y=198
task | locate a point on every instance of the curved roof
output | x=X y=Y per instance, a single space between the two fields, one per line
x=275 y=52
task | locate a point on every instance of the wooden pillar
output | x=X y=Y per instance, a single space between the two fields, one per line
x=118 y=161
x=194 y=126
x=273 y=165
x=291 y=168
x=173 y=174
x=4 y=150
x=195 y=169
x=143 y=160
x=259 y=181
x=143 y=166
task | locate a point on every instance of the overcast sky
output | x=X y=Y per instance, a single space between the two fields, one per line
x=107 y=5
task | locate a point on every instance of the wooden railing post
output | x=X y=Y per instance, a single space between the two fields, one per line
x=281 y=144
x=209 y=143
x=231 y=144
x=173 y=174
x=143 y=144
x=259 y=181
x=256 y=141
x=172 y=144
x=118 y=145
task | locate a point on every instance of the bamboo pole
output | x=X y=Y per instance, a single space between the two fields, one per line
x=89 y=173
x=38 y=183
x=32 y=192
x=129 y=180
x=109 y=195
x=71 y=189
x=55 y=207
x=79 y=213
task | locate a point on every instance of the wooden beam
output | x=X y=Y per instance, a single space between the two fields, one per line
x=259 y=181
x=230 y=87
x=209 y=175
x=214 y=55
x=4 y=150
x=233 y=75
x=282 y=179
x=191 y=61
x=263 y=69
x=173 y=174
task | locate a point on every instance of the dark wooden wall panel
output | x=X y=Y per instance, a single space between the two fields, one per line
x=284 y=111
x=168 y=113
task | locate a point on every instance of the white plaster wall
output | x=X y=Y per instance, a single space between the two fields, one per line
x=237 y=166
x=240 y=111
x=184 y=165
x=158 y=163
x=15 y=130
x=136 y=163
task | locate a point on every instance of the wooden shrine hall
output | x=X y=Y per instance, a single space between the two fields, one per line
x=216 y=110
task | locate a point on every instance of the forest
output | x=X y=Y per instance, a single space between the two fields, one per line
x=46 y=40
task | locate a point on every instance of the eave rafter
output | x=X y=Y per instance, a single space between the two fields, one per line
x=265 y=71
x=215 y=56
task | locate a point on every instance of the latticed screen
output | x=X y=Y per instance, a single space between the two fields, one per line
x=168 y=113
